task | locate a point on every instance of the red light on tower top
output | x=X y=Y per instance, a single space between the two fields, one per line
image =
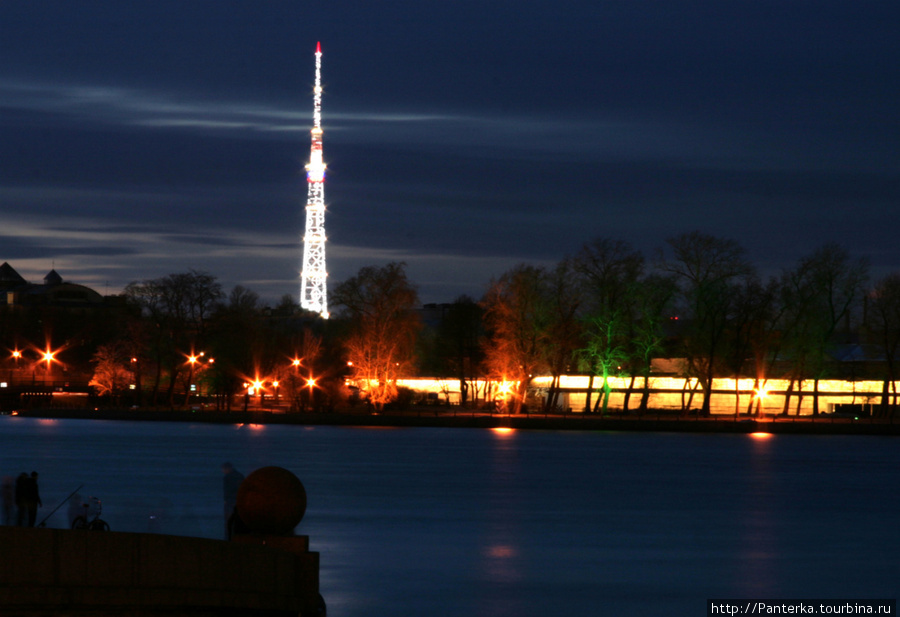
x=318 y=47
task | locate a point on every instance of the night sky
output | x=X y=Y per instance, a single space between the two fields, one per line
x=139 y=139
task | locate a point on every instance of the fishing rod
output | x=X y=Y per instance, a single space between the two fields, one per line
x=43 y=523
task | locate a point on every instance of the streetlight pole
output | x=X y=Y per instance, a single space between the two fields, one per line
x=14 y=372
x=296 y=403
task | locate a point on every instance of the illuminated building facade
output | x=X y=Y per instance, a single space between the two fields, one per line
x=313 y=292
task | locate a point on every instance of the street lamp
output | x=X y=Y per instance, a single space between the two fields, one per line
x=48 y=357
x=17 y=356
x=311 y=382
x=192 y=360
x=258 y=386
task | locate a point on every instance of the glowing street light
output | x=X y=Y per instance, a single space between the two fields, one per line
x=258 y=386
x=311 y=383
x=192 y=360
x=49 y=357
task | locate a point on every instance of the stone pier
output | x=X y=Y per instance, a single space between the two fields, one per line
x=80 y=573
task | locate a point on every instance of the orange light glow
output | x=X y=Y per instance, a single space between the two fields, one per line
x=503 y=430
x=760 y=435
x=49 y=356
x=504 y=388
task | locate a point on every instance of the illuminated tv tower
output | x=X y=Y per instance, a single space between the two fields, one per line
x=313 y=295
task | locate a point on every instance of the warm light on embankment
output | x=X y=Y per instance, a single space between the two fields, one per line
x=503 y=430
x=669 y=393
x=760 y=435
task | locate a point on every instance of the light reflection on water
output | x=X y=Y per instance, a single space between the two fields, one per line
x=477 y=522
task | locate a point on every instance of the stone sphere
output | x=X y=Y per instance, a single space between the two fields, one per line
x=271 y=500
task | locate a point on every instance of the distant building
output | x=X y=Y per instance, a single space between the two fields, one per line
x=16 y=291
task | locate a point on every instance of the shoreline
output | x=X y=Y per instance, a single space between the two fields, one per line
x=440 y=418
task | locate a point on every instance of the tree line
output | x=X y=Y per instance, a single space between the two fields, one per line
x=609 y=310
x=606 y=310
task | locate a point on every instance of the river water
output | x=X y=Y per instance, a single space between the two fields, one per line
x=471 y=522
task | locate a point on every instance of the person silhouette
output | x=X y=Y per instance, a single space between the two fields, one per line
x=231 y=482
x=28 y=499
x=31 y=497
x=8 y=499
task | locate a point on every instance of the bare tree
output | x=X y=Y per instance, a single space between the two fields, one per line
x=112 y=370
x=516 y=319
x=379 y=305
x=147 y=295
x=884 y=320
x=751 y=335
x=820 y=295
x=179 y=306
x=708 y=268
x=456 y=347
x=564 y=299
x=655 y=296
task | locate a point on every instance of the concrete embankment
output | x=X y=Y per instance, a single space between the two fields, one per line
x=442 y=417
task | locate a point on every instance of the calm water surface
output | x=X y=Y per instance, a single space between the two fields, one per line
x=463 y=522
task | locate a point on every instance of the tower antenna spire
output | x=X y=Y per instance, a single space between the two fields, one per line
x=313 y=294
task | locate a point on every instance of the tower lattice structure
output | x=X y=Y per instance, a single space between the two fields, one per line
x=313 y=293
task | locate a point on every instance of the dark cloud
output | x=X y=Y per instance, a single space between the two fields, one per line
x=140 y=139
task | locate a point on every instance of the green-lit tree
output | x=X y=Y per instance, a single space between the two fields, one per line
x=610 y=272
x=605 y=352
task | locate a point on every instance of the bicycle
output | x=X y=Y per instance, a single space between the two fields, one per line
x=84 y=521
